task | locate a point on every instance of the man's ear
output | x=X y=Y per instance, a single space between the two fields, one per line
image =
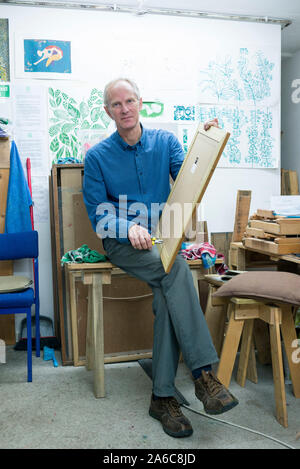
x=107 y=112
x=140 y=103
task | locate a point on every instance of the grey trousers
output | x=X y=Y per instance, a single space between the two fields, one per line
x=179 y=321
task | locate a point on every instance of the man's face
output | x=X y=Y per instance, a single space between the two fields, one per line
x=124 y=106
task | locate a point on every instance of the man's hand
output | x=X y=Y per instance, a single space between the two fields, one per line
x=139 y=237
x=214 y=122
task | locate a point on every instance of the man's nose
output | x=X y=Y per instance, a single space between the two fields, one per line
x=125 y=107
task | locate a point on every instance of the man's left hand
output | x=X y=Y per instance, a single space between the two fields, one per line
x=212 y=123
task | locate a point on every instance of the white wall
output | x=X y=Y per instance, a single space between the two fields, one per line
x=102 y=41
x=290 y=99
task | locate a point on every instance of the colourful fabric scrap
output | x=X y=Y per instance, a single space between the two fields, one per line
x=207 y=253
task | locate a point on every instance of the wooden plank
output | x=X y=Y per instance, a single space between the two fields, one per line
x=230 y=348
x=4 y=153
x=221 y=241
x=285 y=240
x=188 y=190
x=245 y=352
x=283 y=188
x=294 y=187
x=265 y=213
x=258 y=233
x=4 y=179
x=271 y=248
x=291 y=344
x=286 y=226
x=216 y=318
x=278 y=376
x=243 y=201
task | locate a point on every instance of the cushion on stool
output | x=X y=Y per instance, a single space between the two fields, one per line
x=10 y=283
x=277 y=286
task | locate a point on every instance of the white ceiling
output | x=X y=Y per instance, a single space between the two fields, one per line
x=281 y=9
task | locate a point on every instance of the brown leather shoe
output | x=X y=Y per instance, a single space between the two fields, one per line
x=215 y=397
x=167 y=411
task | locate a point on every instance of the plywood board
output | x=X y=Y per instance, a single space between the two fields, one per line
x=188 y=190
x=4 y=153
x=83 y=231
x=242 y=208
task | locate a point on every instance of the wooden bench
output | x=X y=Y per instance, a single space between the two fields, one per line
x=95 y=276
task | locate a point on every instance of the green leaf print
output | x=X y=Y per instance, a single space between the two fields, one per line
x=95 y=113
x=60 y=152
x=73 y=111
x=64 y=138
x=54 y=146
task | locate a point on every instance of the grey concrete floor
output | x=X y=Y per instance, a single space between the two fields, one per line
x=59 y=411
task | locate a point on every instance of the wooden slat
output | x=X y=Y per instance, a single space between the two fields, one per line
x=271 y=248
x=241 y=215
x=286 y=226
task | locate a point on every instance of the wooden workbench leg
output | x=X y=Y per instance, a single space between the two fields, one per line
x=97 y=315
x=278 y=376
x=73 y=313
x=245 y=352
x=291 y=346
x=89 y=352
x=230 y=348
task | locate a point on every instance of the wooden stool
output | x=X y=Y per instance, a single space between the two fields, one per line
x=279 y=317
x=216 y=317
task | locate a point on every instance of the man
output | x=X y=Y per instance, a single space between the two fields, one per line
x=133 y=165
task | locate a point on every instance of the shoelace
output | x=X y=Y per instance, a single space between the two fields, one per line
x=211 y=382
x=172 y=406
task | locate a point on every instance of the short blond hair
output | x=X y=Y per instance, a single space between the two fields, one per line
x=114 y=82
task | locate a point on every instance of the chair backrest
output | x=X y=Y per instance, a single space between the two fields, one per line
x=19 y=245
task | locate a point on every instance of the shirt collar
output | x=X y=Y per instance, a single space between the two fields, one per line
x=125 y=145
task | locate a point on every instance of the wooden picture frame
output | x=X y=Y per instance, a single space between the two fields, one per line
x=188 y=189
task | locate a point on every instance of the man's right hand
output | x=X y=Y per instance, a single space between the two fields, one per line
x=139 y=237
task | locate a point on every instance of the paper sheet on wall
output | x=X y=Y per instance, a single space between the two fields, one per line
x=40 y=197
x=30 y=126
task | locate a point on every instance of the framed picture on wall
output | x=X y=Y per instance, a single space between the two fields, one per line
x=43 y=58
x=4 y=50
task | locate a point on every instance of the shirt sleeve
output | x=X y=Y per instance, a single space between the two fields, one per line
x=176 y=156
x=101 y=211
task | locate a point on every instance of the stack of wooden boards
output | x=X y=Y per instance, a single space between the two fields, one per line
x=272 y=234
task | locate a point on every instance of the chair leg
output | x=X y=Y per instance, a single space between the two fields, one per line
x=29 y=347
x=37 y=331
x=230 y=348
x=278 y=376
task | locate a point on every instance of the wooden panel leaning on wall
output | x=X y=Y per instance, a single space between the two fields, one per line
x=7 y=322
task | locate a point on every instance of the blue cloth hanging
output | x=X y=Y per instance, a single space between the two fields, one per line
x=19 y=200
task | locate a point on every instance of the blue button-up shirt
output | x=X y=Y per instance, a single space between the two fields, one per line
x=125 y=184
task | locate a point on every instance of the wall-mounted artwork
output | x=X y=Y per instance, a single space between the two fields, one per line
x=42 y=55
x=76 y=122
x=43 y=58
x=4 y=50
x=152 y=109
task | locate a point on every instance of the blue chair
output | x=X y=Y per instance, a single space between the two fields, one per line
x=22 y=246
